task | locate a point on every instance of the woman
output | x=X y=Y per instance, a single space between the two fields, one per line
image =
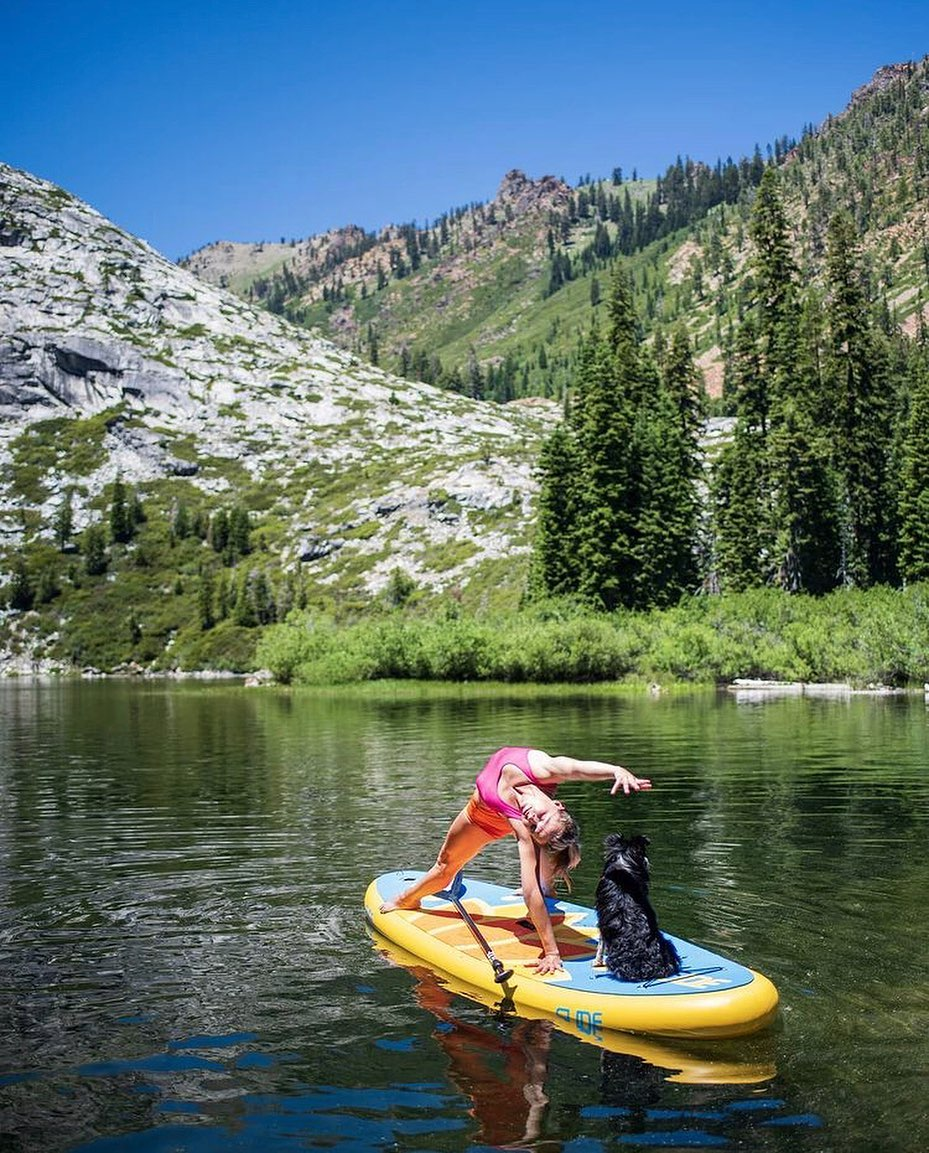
x=514 y=795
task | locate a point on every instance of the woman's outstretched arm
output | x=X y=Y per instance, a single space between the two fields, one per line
x=571 y=769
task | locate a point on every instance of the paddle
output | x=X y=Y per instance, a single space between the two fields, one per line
x=453 y=894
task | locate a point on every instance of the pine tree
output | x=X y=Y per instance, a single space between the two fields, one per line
x=224 y=595
x=622 y=323
x=666 y=530
x=64 y=522
x=685 y=385
x=47 y=585
x=669 y=428
x=741 y=507
x=739 y=511
x=856 y=391
x=206 y=599
x=21 y=594
x=262 y=597
x=219 y=530
x=913 y=500
x=238 y=543
x=746 y=380
x=121 y=526
x=775 y=279
x=181 y=526
x=774 y=498
x=94 y=548
x=609 y=387
x=556 y=564
x=806 y=552
x=618 y=504
x=243 y=610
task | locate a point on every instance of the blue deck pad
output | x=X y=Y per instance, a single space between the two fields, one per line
x=703 y=971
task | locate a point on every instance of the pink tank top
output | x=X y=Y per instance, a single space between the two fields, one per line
x=488 y=779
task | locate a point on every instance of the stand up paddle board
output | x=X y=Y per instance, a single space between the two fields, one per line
x=686 y=1059
x=711 y=997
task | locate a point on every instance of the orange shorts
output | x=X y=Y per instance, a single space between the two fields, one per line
x=494 y=824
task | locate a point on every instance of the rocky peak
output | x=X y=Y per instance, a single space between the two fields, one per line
x=524 y=195
x=882 y=79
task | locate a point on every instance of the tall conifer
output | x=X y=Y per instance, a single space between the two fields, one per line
x=609 y=492
x=775 y=275
x=556 y=565
x=618 y=507
x=856 y=391
x=774 y=499
x=666 y=530
x=806 y=549
x=740 y=481
x=121 y=526
x=913 y=501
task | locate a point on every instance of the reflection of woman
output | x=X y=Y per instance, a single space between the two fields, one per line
x=514 y=796
x=503 y=1075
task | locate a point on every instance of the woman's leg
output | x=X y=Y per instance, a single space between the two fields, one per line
x=463 y=841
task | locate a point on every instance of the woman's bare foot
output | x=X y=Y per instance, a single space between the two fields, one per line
x=398 y=903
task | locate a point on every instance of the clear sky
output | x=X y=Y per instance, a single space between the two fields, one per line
x=189 y=121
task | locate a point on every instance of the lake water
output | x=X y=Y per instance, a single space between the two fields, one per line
x=184 y=964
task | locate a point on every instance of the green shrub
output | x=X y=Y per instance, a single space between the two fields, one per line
x=457 y=650
x=226 y=648
x=284 y=648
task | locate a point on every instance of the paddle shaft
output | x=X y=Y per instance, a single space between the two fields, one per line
x=500 y=974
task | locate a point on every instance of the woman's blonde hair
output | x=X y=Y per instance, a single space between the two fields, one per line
x=564 y=851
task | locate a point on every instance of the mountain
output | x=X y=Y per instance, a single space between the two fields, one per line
x=432 y=302
x=493 y=298
x=124 y=378
x=180 y=466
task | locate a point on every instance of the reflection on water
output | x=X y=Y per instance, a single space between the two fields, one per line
x=184 y=965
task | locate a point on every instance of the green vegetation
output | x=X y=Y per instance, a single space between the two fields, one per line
x=162 y=583
x=619 y=504
x=65 y=445
x=823 y=484
x=873 y=637
x=807 y=492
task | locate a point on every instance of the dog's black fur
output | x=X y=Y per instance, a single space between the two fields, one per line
x=631 y=943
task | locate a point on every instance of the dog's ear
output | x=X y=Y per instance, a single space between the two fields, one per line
x=640 y=841
x=613 y=843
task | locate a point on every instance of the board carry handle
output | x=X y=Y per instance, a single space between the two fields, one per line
x=453 y=894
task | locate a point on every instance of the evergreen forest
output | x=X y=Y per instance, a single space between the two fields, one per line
x=822 y=483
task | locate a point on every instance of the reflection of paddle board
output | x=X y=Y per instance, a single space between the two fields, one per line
x=687 y=1064
x=712 y=996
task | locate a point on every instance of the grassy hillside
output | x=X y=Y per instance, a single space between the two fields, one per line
x=480 y=294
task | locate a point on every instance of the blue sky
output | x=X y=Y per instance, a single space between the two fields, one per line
x=189 y=122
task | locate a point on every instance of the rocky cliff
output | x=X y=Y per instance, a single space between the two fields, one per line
x=362 y=472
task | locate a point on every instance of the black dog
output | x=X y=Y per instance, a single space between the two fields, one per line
x=634 y=948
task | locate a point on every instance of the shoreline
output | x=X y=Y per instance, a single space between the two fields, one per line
x=744 y=688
